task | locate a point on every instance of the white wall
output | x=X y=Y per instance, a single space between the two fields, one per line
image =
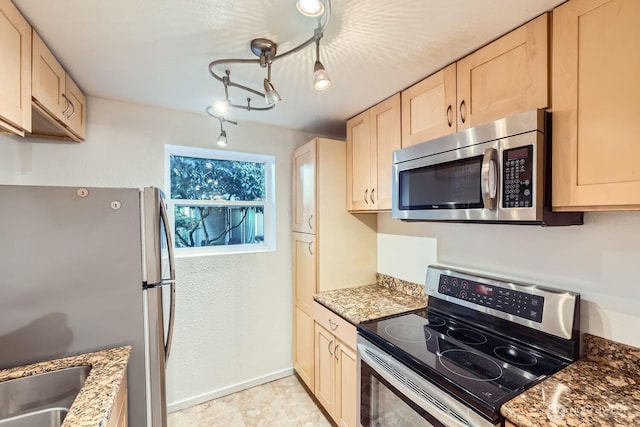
x=234 y=321
x=598 y=259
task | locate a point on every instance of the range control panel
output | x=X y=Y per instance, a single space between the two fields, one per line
x=517 y=176
x=509 y=301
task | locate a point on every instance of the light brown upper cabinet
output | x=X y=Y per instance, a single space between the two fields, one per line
x=372 y=136
x=429 y=108
x=507 y=76
x=15 y=70
x=59 y=105
x=304 y=191
x=596 y=104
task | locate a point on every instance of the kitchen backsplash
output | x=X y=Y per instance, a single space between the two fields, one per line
x=409 y=288
x=611 y=353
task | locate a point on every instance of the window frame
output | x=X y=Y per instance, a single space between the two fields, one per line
x=269 y=205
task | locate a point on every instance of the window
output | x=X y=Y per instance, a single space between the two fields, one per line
x=220 y=201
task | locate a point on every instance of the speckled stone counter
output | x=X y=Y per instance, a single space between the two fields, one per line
x=388 y=296
x=92 y=406
x=603 y=389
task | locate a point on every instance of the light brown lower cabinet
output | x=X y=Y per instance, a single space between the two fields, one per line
x=335 y=366
x=119 y=412
x=303 y=346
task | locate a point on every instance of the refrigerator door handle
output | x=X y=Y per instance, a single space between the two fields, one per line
x=172 y=315
x=171 y=281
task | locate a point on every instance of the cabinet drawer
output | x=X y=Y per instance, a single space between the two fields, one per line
x=342 y=329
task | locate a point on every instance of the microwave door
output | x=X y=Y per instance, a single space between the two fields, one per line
x=460 y=185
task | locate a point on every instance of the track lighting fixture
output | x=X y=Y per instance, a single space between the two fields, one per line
x=271 y=96
x=222 y=138
x=266 y=51
x=321 y=80
x=310 y=7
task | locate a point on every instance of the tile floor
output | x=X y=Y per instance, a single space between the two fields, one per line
x=281 y=403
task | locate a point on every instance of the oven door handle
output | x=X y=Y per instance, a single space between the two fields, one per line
x=489 y=180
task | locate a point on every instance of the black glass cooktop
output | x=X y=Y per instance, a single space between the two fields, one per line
x=477 y=366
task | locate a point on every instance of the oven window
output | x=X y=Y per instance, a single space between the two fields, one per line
x=451 y=185
x=381 y=405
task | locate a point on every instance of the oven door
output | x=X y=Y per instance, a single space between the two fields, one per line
x=460 y=184
x=390 y=394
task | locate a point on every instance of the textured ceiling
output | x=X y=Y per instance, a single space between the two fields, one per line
x=156 y=52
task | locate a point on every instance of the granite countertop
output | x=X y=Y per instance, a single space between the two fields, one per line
x=92 y=406
x=388 y=296
x=603 y=389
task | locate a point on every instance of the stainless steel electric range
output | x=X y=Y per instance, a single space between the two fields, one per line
x=479 y=343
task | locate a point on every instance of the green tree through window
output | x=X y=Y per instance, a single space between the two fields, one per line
x=219 y=200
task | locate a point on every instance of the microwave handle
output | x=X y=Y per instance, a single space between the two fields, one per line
x=489 y=173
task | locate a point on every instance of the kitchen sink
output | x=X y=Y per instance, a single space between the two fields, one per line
x=52 y=417
x=42 y=399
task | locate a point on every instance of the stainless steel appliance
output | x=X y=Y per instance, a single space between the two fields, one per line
x=480 y=342
x=85 y=269
x=496 y=172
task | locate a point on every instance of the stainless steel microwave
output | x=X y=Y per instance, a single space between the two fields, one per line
x=497 y=172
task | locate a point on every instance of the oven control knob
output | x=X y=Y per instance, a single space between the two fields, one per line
x=463 y=294
x=465 y=285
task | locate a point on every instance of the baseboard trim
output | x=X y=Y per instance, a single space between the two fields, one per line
x=196 y=400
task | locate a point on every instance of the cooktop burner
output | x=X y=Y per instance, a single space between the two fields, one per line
x=470 y=365
x=405 y=333
x=467 y=336
x=448 y=351
x=513 y=355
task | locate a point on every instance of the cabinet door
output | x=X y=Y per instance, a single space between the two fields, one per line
x=324 y=389
x=429 y=108
x=346 y=386
x=304 y=271
x=596 y=58
x=508 y=76
x=303 y=352
x=358 y=162
x=15 y=70
x=76 y=116
x=304 y=188
x=48 y=81
x=385 y=139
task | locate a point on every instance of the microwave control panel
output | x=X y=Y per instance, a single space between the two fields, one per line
x=517 y=176
x=510 y=301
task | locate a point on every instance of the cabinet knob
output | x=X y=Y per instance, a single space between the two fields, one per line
x=373 y=190
x=449 y=118
x=333 y=325
x=330 y=342
x=366 y=192
x=310 y=217
x=463 y=114
x=310 y=251
x=335 y=351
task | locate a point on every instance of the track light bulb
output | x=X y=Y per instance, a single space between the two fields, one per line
x=271 y=96
x=221 y=106
x=321 y=80
x=222 y=139
x=310 y=7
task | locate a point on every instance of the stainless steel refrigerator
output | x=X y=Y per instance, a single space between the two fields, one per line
x=83 y=269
